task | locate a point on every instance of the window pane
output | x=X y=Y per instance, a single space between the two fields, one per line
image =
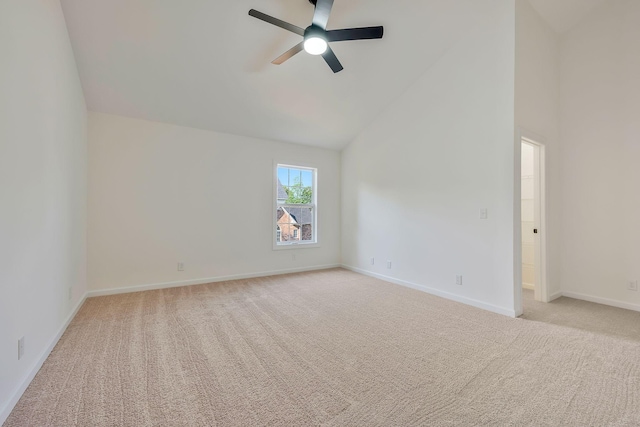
x=299 y=194
x=307 y=179
x=286 y=224
x=295 y=224
x=307 y=232
x=301 y=215
x=289 y=232
x=295 y=185
x=283 y=176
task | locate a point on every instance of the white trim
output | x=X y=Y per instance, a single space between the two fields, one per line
x=178 y=284
x=541 y=290
x=529 y=286
x=539 y=141
x=26 y=380
x=436 y=292
x=531 y=136
x=296 y=245
x=600 y=300
x=517 y=224
x=555 y=296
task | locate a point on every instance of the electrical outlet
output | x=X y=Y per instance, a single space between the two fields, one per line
x=181 y=266
x=373 y=261
x=20 y=348
x=389 y=264
x=459 y=280
x=633 y=286
x=70 y=293
x=484 y=213
x=293 y=257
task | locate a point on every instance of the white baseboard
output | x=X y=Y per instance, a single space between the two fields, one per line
x=600 y=300
x=436 y=292
x=26 y=380
x=15 y=397
x=529 y=286
x=178 y=284
x=555 y=296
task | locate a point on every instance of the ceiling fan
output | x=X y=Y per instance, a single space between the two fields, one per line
x=317 y=37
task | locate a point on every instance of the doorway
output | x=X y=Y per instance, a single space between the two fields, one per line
x=532 y=219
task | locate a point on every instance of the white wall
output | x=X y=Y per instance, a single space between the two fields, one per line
x=537 y=113
x=42 y=187
x=600 y=111
x=415 y=180
x=160 y=193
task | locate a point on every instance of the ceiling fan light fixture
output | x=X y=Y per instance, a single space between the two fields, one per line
x=316 y=37
x=315 y=45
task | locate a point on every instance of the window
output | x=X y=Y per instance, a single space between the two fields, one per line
x=295 y=206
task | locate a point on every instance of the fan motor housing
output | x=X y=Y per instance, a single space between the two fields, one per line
x=314 y=31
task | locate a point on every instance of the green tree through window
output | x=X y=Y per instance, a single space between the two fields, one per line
x=298 y=194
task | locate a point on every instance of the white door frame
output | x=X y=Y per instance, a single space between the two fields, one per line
x=541 y=292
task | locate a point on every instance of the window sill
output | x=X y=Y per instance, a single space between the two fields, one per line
x=289 y=246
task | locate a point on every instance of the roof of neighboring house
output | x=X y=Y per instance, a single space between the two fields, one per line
x=282 y=193
x=299 y=216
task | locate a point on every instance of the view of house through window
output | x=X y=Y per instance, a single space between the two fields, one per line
x=296 y=205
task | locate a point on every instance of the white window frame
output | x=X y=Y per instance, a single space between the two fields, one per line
x=295 y=244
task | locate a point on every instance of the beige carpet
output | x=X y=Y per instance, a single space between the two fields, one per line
x=329 y=348
x=588 y=316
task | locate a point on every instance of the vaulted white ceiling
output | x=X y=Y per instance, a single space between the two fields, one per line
x=206 y=63
x=562 y=15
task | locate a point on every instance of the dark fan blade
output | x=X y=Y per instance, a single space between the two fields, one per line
x=355 y=34
x=332 y=60
x=277 y=22
x=289 y=54
x=321 y=15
